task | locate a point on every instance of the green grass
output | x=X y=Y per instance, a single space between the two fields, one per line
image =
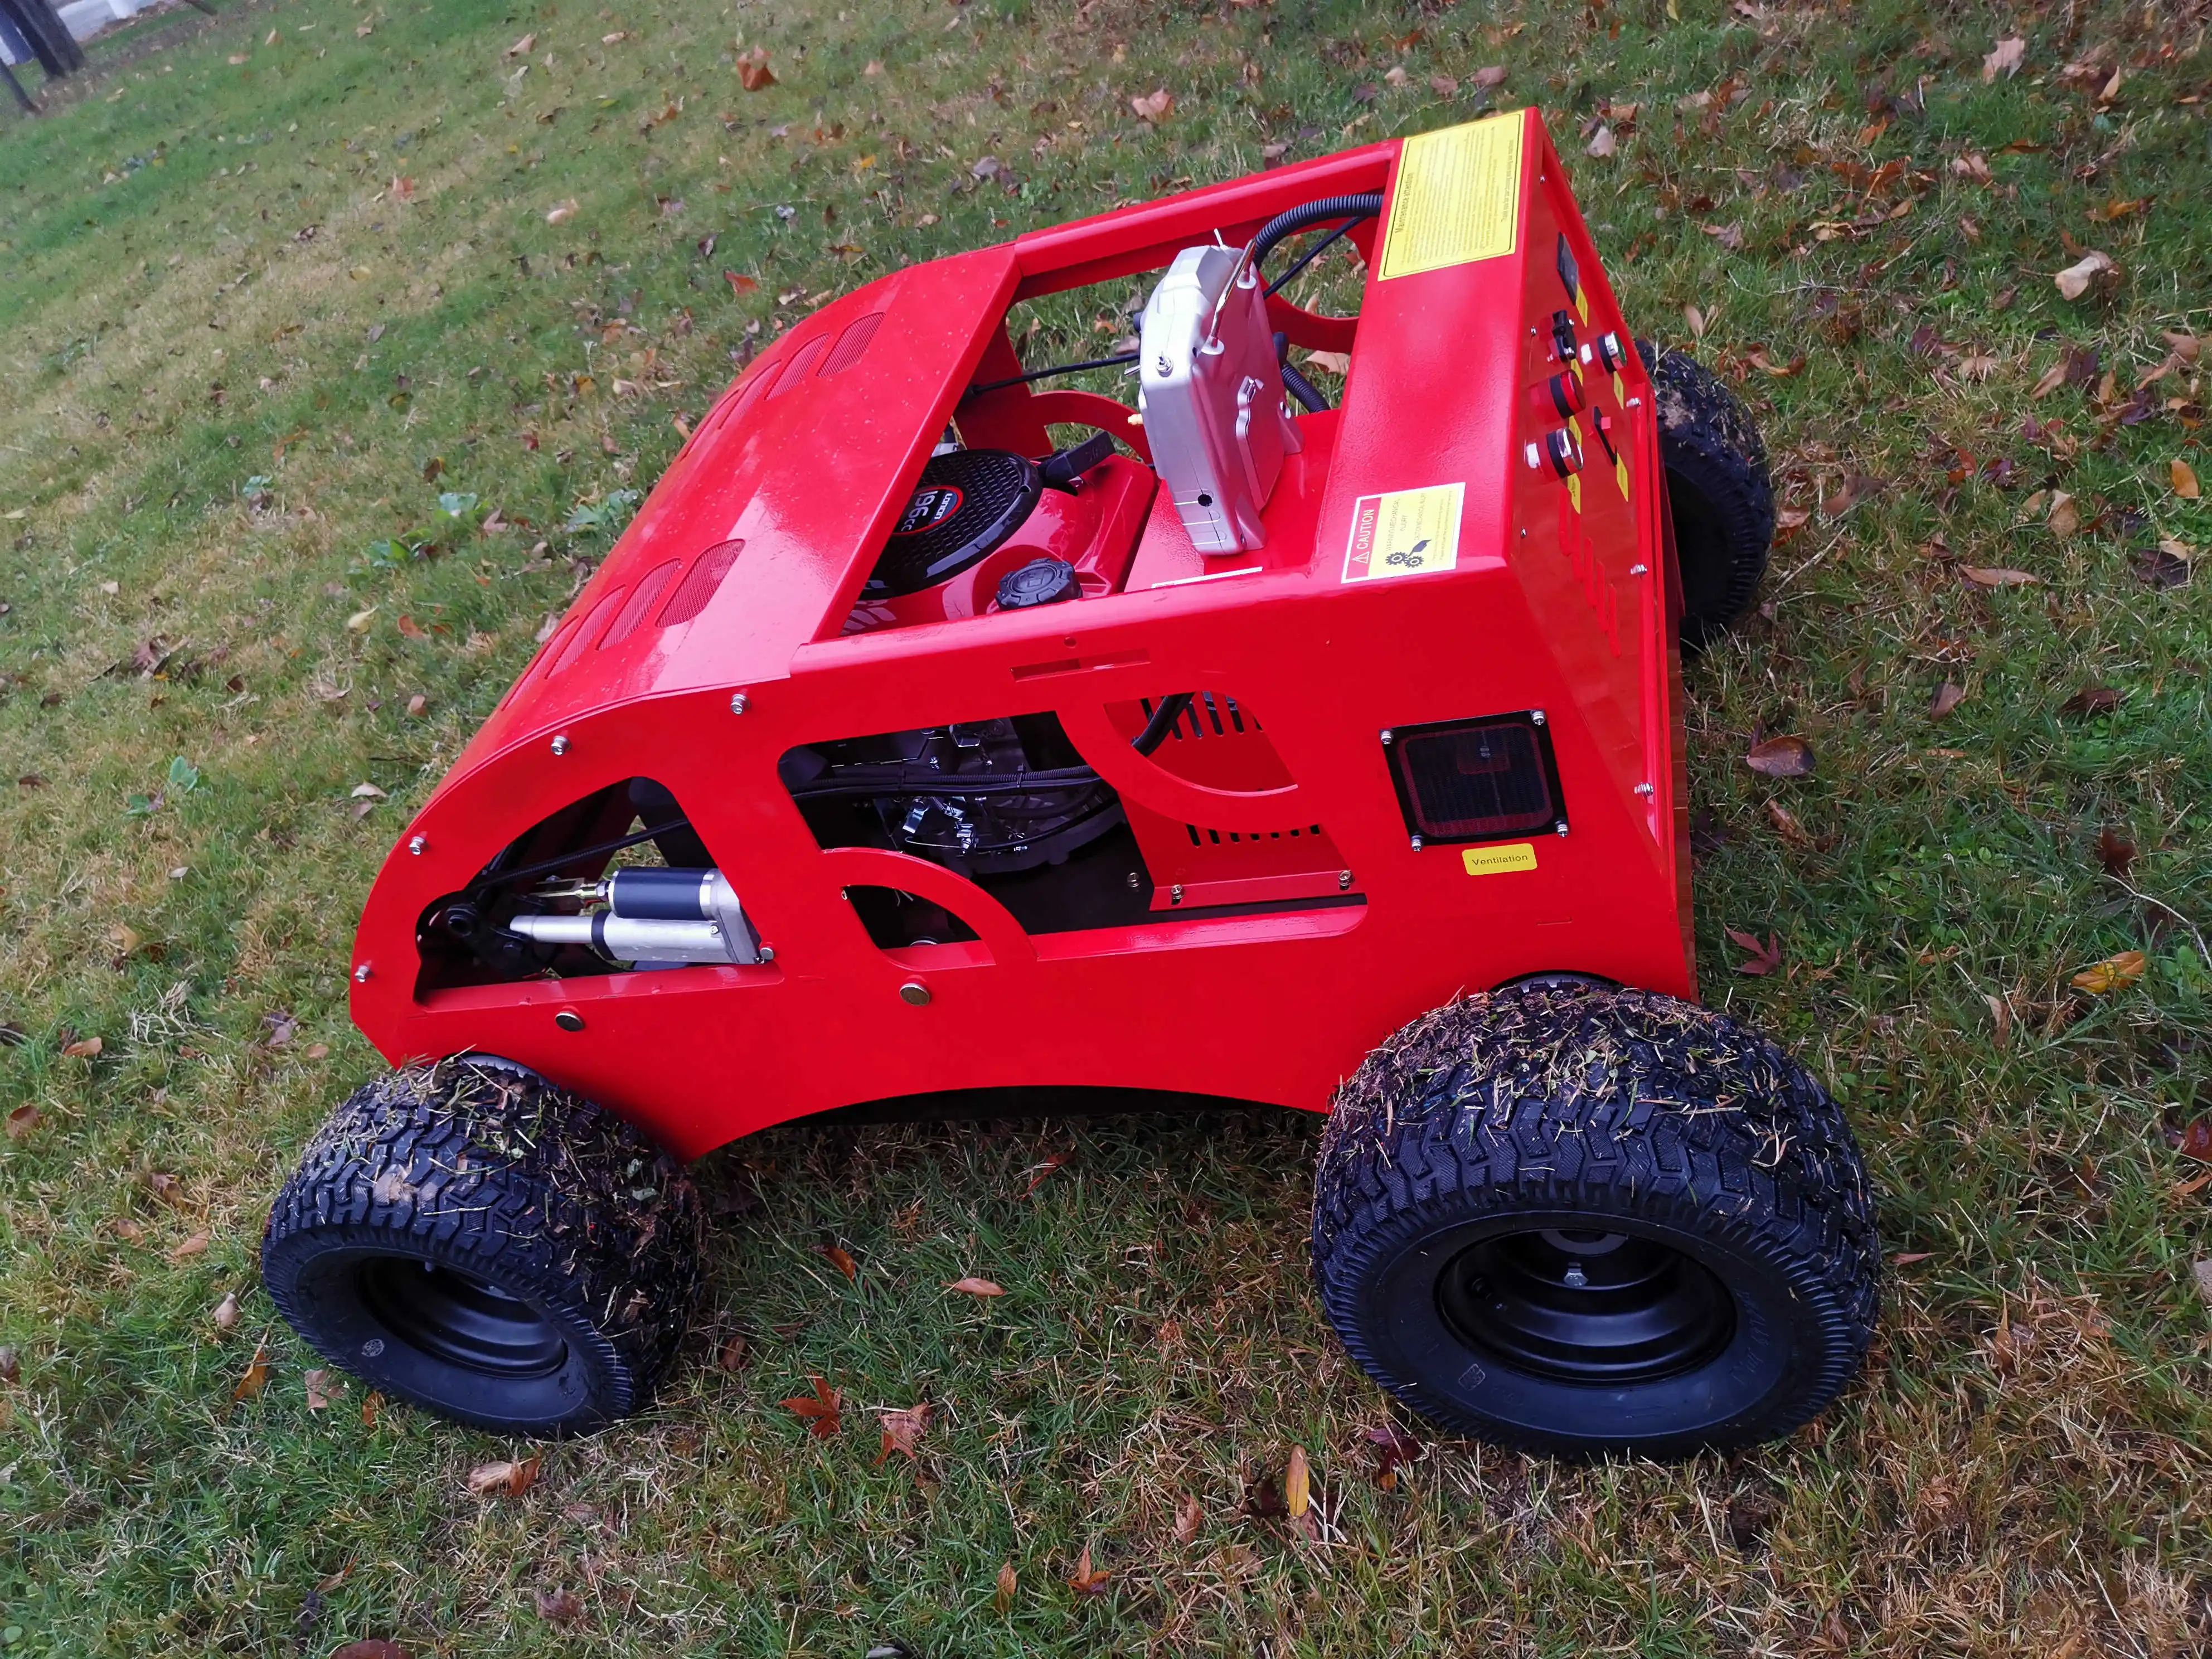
x=215 y=421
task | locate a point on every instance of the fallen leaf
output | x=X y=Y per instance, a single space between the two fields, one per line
x=85 y=1049
x=227 y=1315
x=368 y=791
x=841 y=1260
x=1602 y=143
x=2185 y=480
x=1189 y=1517
x=403 y=190
x=1053 y=1161
x=2093 y=270
x=411 y=630
x=2115 y=851
x=732 y=1356
x=2004 y=60
x=2065 y=518
x=257 y=1375
x=196 y=1245
x=974 y=1286
x=2200 y=1271
x=505 y=1480
x=1331 y=362
x=11 y=1368
x=520 y=47
x=1696 y=319
x=1785 y=823
x=1949 y=695
x=2196 y=1142
x=2158 y=567
x=358 y=623
x=1154 y=106
x=1443 y=85
x=559 y=1606
x=1764 y=958
x=418 y=705
x=753 y=72
x=740 y=283
x=1492 y=75
x=318 y=1051
x=2091 y=700
x=1088 y=1580
x=22 y=1120
x=902 y=1429
x=318 y=1385
x=1395 y=75
x=1781 y=757
x=1982 y=577
x=1298 y=1490
x=820 y=1410
x=560 y=211
x=1005 y=1598
x=2112 y=974
x=1392 y=1447
x=369 y=1408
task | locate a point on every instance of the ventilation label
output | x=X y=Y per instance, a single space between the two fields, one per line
x=1404 y=533
x=1497 y=860
x=1458 y=197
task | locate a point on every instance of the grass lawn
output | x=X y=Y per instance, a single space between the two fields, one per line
x=269 y=288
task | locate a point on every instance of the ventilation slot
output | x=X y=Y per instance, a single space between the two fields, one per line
x=851 y=343
x=581 y=638
x=1211 y=715
x=699 y=587
x=1230 y=837
x=800 y=365
x=641 y=603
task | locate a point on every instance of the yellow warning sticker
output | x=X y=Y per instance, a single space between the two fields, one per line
x=1497 y=860
x=1458 y=197
x=1404 y=533
x=1620 y=474
x=1575 y=489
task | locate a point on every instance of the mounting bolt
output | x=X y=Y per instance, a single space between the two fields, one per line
x=1643 y=788
x=1386 y=737
x=1343 y=880
x=739 y=702
x=1535 y=717
x=559 y=745
x=360 y=974
x=1175 y=894
x=1417 y=843
x=1560 y=829
x=569 y=1020
x=1639 y=570
x=1135 y=880
x=1534 y=454
x=766 y=953
x=915 y=992
x=417 y=845
x=1636 y=403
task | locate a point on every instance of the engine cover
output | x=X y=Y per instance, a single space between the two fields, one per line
x=968 y=503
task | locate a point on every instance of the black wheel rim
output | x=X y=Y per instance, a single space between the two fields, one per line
x=459 y=1318
x=1586 y=1306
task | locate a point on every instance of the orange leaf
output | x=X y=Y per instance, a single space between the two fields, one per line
x=370 y=1407
x=753 y=72
x=739 y=282
x=1298 y=1483
x=1088 y=1580
x=409 y=628
x=973 y=1286
x=1005 y=1598
x=84 y=1050
x=838 y=1259
x=902 y=1430
x=1986 y=578
x=22 y=1120
x=505 y=1480
x=2185 y=480
x=820 y=1410
x=257 y=1375
x=2112 y=974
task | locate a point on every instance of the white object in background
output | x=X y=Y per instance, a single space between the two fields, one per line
x=86 y=18
x=1210 y=392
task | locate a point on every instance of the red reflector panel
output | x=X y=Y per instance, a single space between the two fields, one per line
x=1477 y=780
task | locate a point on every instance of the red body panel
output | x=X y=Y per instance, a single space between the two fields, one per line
x=806 y=463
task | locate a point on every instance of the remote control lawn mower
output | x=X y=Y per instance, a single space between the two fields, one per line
x=939 y=733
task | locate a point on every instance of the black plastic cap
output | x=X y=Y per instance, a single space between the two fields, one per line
x=1040 y=582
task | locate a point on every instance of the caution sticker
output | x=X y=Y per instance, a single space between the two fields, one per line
x=1458 y=197
x=1404 y=533
x=1497 y=860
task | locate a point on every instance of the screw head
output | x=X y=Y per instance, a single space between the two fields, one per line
x=915 y=994
x=569 y=1020
x=360 y=974
x=1643 y=788
x=1417 y=843
x=766 y=953
x=1175 y=894
x=1386 y=735
x=559 y=745
x=1560 y=827
x=416 y=844
x=1343 y=880
x=1639 y=570
x=1535 y=717
x=739 y=702
x=1135 y=880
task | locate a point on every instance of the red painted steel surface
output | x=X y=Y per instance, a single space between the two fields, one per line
x=774 y=512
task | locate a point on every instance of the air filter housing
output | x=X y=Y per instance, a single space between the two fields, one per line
x=968 y=503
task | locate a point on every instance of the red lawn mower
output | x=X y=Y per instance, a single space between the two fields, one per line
x=936 y=730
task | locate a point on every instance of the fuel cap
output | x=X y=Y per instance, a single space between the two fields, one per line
x=1040 y=582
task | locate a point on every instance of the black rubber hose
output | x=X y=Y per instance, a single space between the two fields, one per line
x=1295 y=383
x=1161 y=722
x=1291 y=222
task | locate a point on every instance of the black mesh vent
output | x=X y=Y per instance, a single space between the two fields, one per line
x=968 y=503
x=1476 y=780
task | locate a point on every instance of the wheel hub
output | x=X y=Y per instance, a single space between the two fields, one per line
x=461 y=1319
x=1585 y=1305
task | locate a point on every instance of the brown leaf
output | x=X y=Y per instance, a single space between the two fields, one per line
x=1051 y=1161
x=1602 y=143
x=84 y=1048
x=22 y=1120
x=373 y=1647
x=1781 y=757
x=1785 y=823
x=557 y=1606
x=1982 y=577
x=418 y=705
x=2053 y=378
x=2065 y=518
x=505 y=1480
x=974 y=1286
x=731 y=1358
x=740 y=283
x=227 y=1315
x=196 y=1245
x=1443 y=85
x=1154 y=106
x=1492 y=75
x=1949 y=695
x=1189 y=1517
x=820 y=1410
x=2091 y=700
x=403 y=189
x=902 y=1430
x=521 y=46
x=2196 y=1142
x=2004 y=59
x=319 y=1386
x=2185 y=480
x=2200 y=1271
x=1007 y=1580
x=1764 y=958
x=560 y=211
x=2093 y=271
x=2115 y=851
x=1392 y=1447
x=11 y=1368
x=837 y=1258
x=2112 y=974
x=257 y=1375
x=1298 y=1478
x=370 y=1407
x=409 y=628
x=753 y=72
x=1088 y=1580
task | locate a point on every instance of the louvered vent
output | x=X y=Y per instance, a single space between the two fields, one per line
x=851 y=344
x=698 y=587
x=582 y=637
x=800 y=364
x=641 y=602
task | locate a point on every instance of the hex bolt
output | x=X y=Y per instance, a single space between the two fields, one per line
x=417 y=845
x=1560 y=829
x=1639 y=570
x=1535 y=717
x=569 y=1020
x=360 y=974
x=1343 y=880
x=739 y=702
x=1386 y=737
x=1417 y=843
x=915 y=993
x=559 y=745
x=1175 y=894
x=1135 y=880
x=1636 y=403
x=1643 y=788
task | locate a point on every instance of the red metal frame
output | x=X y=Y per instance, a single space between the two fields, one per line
x=806 y=462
